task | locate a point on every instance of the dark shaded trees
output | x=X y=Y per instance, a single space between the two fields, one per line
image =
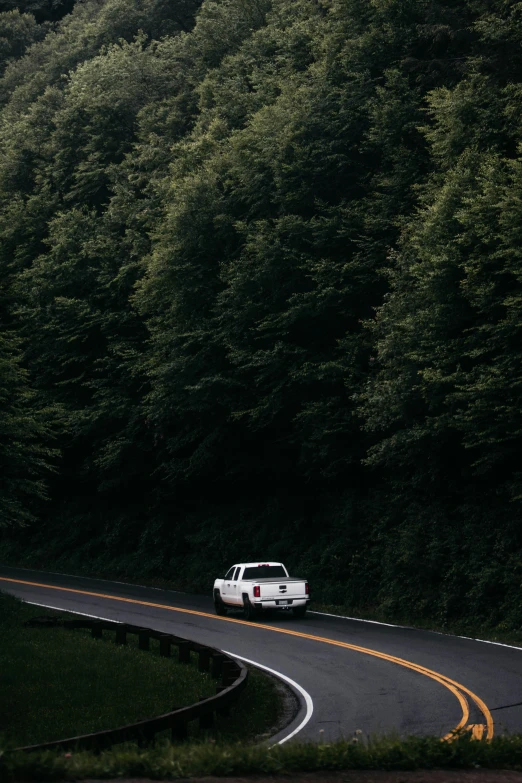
x=264 y=257
x=26 y=434
x=445 y=392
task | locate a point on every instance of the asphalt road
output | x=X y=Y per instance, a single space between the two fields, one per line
x=353 y=675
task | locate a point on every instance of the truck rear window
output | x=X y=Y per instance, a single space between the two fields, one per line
x=264 y=572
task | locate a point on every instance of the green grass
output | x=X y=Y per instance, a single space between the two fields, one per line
x=257 y=713
x=59 y=683
x=199 y=760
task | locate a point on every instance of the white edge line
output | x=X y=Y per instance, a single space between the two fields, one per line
x=412 y=628
x=361 y=620
x=306 y=696
x=473 y=639
x=69 y=611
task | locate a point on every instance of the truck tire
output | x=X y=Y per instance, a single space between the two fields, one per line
x=249 y=612
x=299 y=611
x=219 y=606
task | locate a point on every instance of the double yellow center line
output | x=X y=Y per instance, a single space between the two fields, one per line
x=458 y=690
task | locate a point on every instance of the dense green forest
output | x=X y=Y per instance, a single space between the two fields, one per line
x=261 y=295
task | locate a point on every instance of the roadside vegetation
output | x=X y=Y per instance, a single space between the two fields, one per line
x=171 y=762
x=58 y=683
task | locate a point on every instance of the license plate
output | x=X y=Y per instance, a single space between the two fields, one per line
x=282 y=603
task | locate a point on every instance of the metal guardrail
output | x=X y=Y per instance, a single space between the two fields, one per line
x=232 y=673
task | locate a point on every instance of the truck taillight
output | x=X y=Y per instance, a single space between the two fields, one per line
x=257 y=591
x=307 y=589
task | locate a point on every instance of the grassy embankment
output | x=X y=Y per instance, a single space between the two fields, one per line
x=199 y=760
x=57 y=683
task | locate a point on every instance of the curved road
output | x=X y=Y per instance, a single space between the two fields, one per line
x=359 y=675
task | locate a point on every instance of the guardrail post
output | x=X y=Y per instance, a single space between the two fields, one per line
x=143 y=639
x=179 y=732
x=184 y=652
x=217 y=665
x=204 y=660
x=146 y=737
x=165 y=645
x=224 y=711
x=229 y=672
x=96 y=630
x=206 y=721
x=121 y=635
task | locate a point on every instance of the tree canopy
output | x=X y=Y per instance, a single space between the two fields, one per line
x=261 y=270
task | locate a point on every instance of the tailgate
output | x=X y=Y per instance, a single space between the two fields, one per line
x=285 y=588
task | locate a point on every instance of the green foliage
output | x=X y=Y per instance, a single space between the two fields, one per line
x=26 y=430
x=172 y=763
x=443 y=399
x=265 y=257
x=17 y=32
x=43 y=11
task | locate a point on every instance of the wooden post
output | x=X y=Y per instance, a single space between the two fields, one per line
x=121 y=635
x=204 y=660
x=143 y=639
x=228 y=672
x=146 y=737
x=206 y=721
x=179 y=732
x=225 y=710
x=184 y=652
x=165 y=645
x=217 y=665
x=96 y=630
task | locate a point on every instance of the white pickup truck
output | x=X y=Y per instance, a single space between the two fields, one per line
x=254 y=587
